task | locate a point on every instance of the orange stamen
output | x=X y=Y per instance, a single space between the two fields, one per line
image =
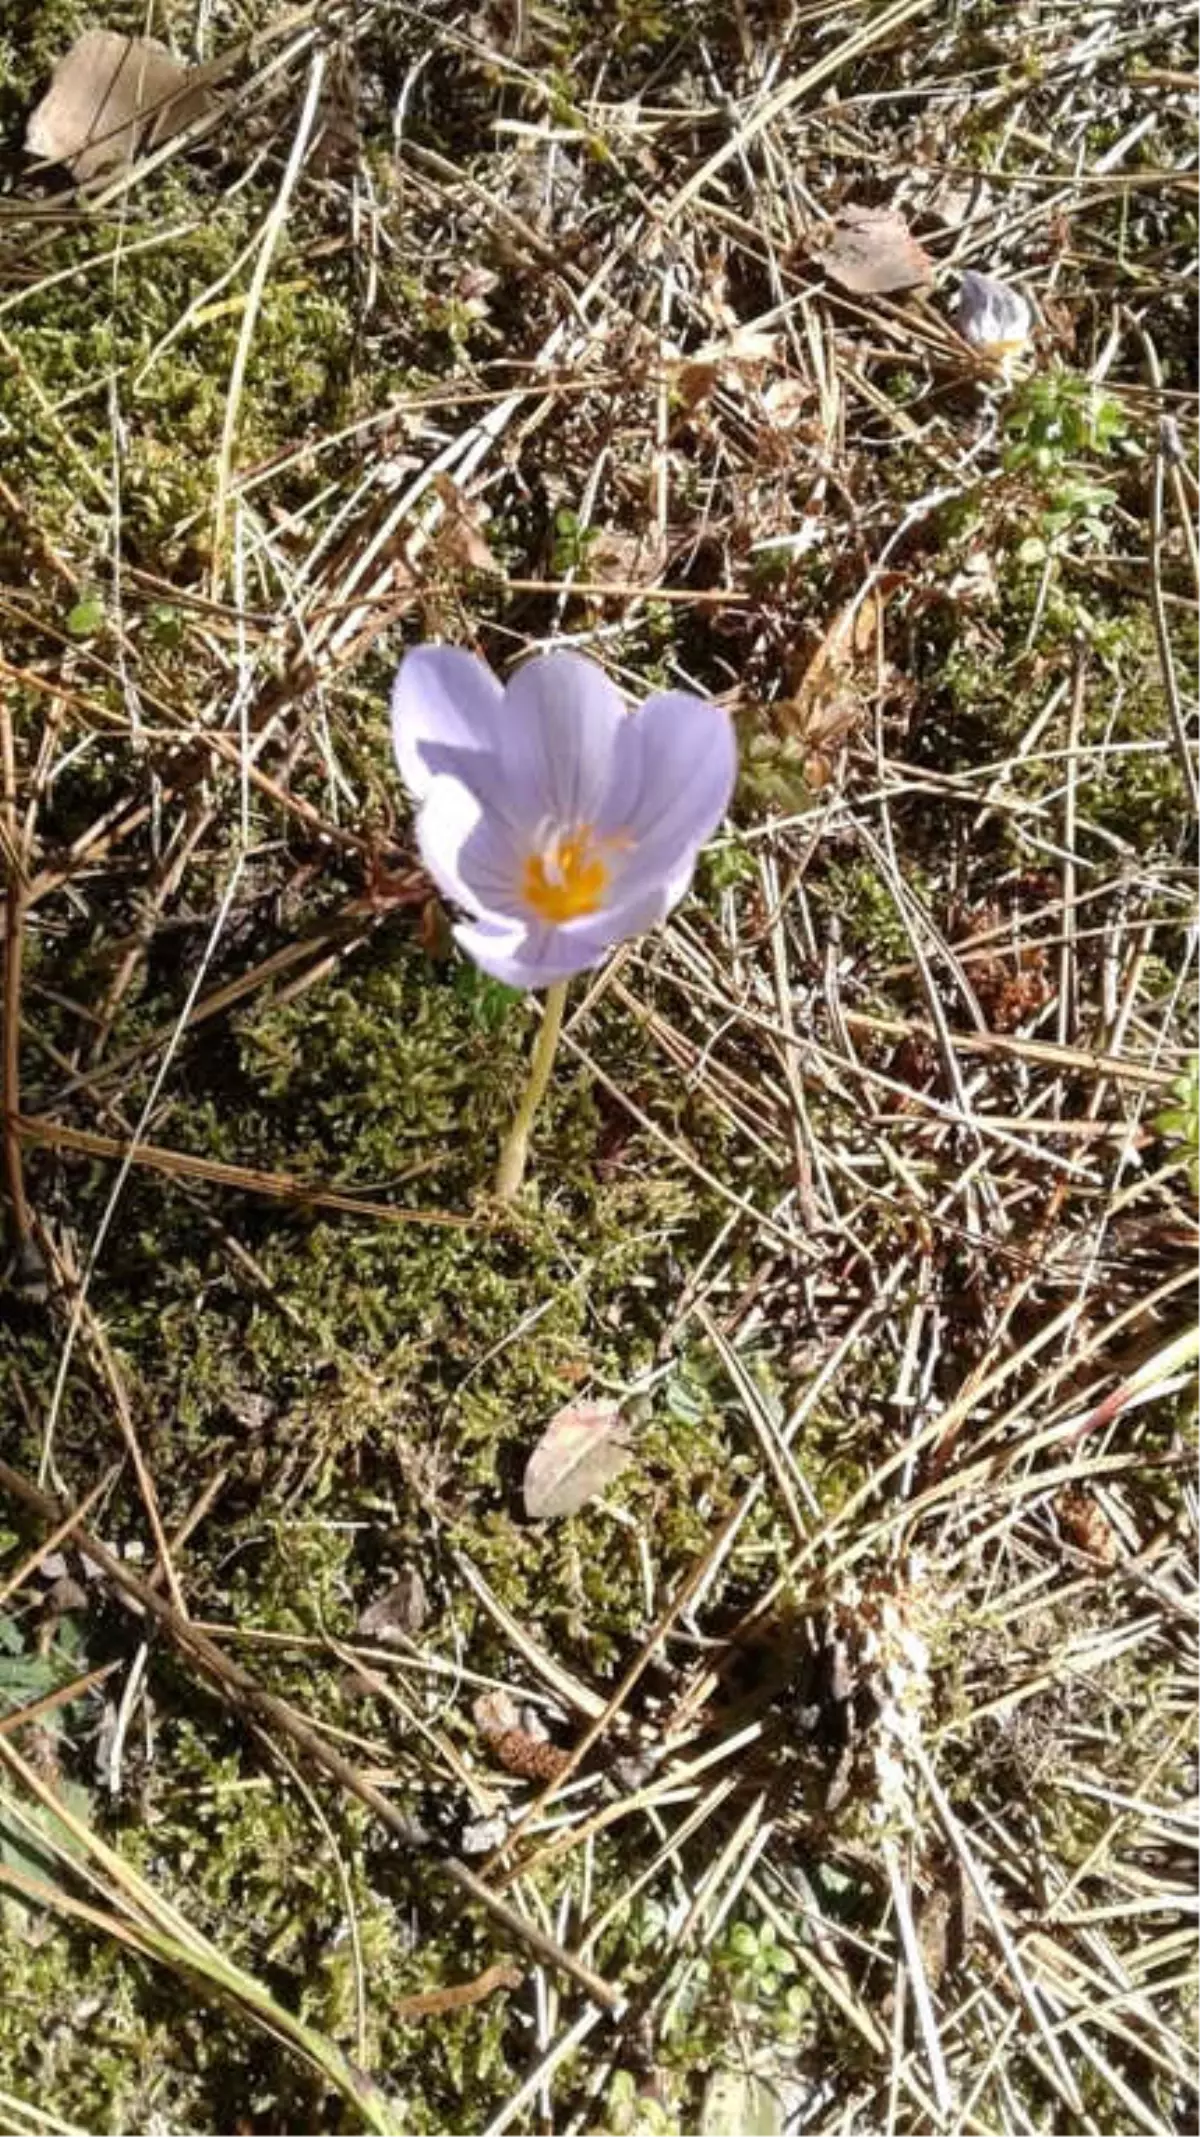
x=567 y=878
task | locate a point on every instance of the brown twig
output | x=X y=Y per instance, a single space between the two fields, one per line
x=1184 y=747
x=14 y=930
x=181 y=1164
x=61 y=1696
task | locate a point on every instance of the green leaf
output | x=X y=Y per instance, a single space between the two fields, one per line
x=86 y=618
x=682 y=1401
x=19 y=1849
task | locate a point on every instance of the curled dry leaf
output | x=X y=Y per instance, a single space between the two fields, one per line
x=723 y=363
x=459 y=540
x=872 y=252
x=1085 y=1524
x=582 y=1449
x=399 y=1613
x=832 y=695
x=105 y=94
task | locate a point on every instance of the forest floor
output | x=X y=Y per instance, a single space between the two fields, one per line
x=831 y=1768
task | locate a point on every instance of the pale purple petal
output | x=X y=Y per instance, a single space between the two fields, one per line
x=497 y=949
x=632 y=909
x=527 y=957
x=502 y=775
x=562 y=718
x=469 y=852
x=991 y=312
x=674 y=774
x=447 y=709
x=539 y=954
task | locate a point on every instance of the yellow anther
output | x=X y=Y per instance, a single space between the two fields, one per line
x=567 y=877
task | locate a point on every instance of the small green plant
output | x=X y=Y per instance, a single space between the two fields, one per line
x=762 y=1975
x=633 y=2112
x=86 y=618
x=490 y=1002
x=1059 y=418
x=1056 y=426
x=572 y=542
x=28 y=1675
x=1077 y=511
x=1180 y=1121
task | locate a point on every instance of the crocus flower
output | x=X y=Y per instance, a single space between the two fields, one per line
x=993 y=316
x=559 y=822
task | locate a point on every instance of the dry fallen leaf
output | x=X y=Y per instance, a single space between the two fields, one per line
x=582 y=1449
x=1085 y=1524
x=105 y=93
x=460 y=541
x=830 y=699
x=399 y=1613
x=723 y=363
x=872 y=252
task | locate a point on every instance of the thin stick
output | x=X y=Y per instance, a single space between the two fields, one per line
x=14 y=933
x=1179 y=733
x=272 y=232
x=55 y=1135
x=513 y=1156
x=65 y=1528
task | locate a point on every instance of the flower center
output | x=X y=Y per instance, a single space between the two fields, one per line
x=567 y=876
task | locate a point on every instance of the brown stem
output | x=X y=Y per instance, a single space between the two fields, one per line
x=14 y=933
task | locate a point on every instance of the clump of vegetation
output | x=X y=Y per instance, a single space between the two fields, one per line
x=828 y=1763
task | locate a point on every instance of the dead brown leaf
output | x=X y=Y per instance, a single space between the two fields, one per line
x=1085 y=1524
x=105 y=94
x=582 y=1449
x=830 y=699
x=399 y=1613
x=724 y=363
x=872 y=252
x=459 y=539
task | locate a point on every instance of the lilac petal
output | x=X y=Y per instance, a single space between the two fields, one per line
x=469 y=852
x=562 y=718
x=674 y=775
x=496 y=949
x=447 y=709
x=636 y=907
x=536 y=956
x=992 y=312
x=525 y=957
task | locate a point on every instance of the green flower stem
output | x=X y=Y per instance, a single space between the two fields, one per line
x=511 y=1169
